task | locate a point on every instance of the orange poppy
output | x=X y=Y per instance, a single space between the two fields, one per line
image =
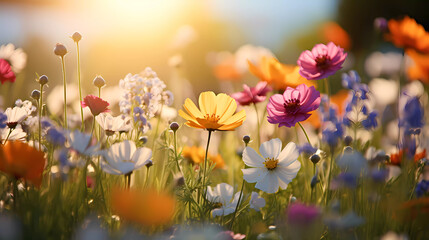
x=148 y=207
x=420 y=70
x=197 y=154
x=21 y=160
x=396 y=158
x=332 y=32
x=278 y=75
x=407 y=33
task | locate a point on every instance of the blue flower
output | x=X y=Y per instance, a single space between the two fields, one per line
x=371 y=121
x=350 y=80
x=3 y=119
x=307 y=148
x=55 y=136
x=332 y=135
x=412 y=114
x=422 y=188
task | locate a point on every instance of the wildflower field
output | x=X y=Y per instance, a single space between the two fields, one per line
x=330 y=142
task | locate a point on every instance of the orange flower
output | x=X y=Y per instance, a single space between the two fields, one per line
x=227 y=71
x=278 y=75
x=197 y=154
x=420 y=70
x=332 y=32
x=396 y=158
x=20 y=160
x=407 y=33
x=149 y=207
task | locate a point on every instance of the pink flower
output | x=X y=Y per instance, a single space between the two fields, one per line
x=95 y=104
x=252 y=94
x=323 y=61
x=230 y=235
x=6 y=73
x=293 y=106
x=301 y=214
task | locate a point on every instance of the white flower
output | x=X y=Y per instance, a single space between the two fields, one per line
x=384 y=91
x=15 y=115
x=256 y=202
x=379 y=63
x=276 y=168
x=16 y=57
x=221 y=195
x=123 y=158
x=16 y=134
x=81 y=143
x=112 y=124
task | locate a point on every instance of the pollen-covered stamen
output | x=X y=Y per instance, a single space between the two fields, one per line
x=322 y=62
x=212 y=118
x=271 y=163
x=292 y=105
x=217 y=205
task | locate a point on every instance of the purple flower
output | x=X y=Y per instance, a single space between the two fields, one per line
x=350 y=80
x=321 y=62
x=3 y=119
x=307 y=148
x=422 y=188
x=413 y=113
x=293 y=106
x=301 y=214
x=55 y=136
x=252 y=94
x=332 y=134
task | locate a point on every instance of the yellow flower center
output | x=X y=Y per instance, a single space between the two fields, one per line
x=212 y=118
x=217 y=205
x=271 y=163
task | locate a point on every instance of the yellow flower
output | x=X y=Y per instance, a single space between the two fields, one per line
x=216 y=112
x=197 y=154
x=278 y=75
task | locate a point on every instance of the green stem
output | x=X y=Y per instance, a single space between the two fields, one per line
x=93 y=125
x=65 y=91
x=157 y=126
x=79 y=82
x=327 y=89
x=128 y=180
x=308 y=139
x=205 y=163
x=40 y=116
x=331 y=166
x=259 y=124
x=237 y=207
x=8 y=135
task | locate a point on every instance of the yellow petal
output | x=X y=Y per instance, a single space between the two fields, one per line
x=207 y=102
x=240 y=116
x=256 y=71
x=192 y=109
x=208 y=124
x=231 y=127
x=194 y=125
x=185 y=116
x=225 y=107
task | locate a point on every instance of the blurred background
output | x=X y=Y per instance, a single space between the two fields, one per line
x=125 y=36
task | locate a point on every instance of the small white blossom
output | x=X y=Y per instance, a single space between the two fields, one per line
x=222 y=195
x=256 y=202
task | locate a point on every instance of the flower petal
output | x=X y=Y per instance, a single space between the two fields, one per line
x=271 y=149
x=252 y=159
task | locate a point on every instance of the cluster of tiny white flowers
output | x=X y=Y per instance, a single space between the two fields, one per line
x=143 y=96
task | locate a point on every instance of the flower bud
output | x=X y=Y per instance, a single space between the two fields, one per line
x=99 y=81
x=348 y=149
x=348 y=140
x=149 y=163
x=76 y=37
x=43 y=80
x=315 y=158
x=246 y=139
x=143 y=139
x=174 y=126
x=60 y=50
x=35 y=94
x=380 y=24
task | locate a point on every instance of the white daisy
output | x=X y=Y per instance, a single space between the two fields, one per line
x=123 y=158
x=112 y=124
x=221 y=196
x=276 y=168
x=81 y=143
x=15 y=115
x=256 y=202
x=16 y=57
x=16 y=134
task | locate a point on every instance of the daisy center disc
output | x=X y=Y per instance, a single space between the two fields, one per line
x=217 y=205
x=271 y=163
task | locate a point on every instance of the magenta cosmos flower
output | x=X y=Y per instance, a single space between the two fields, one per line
x=293 y=106
x=301 y=214
x=6 y=73
x=95 y=104
x=252 y=94
x=321 y=62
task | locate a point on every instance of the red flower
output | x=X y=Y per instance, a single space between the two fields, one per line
x=6 y=73
x=95 y=104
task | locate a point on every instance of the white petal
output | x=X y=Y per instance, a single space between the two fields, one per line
x=252 y=175
x=289 y=154
x=225 y=192
x=251 y=158
x=108 y=169
x=271 y=149
x=140 y=156
x=287 y=174
x=268 y=184
x=123 y=150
